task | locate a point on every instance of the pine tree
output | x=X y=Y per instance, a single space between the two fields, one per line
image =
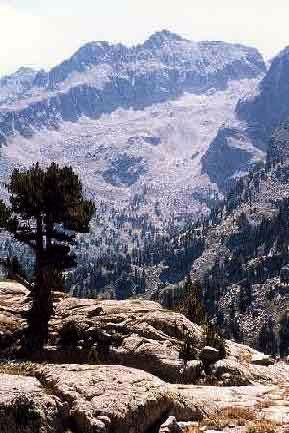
x=47 y=209
x=214 y=339
x=267 y=340
x=193 y=305
x=284 y=335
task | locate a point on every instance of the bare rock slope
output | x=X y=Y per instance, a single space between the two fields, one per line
x=136 y=333
x=118 y=399
x=114 y=390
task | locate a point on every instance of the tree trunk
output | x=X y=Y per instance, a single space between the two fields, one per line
x=49 y=229
x=42 y=307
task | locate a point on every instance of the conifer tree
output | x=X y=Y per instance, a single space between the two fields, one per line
x=193 y=305
x=284 y=335
x=47 y=209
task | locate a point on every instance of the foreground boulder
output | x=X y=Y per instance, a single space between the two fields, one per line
x=89 y=399
x=26 y=407
x=117 y=399
x=260 y=359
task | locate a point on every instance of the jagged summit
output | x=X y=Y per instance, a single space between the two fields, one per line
x=18 y=83
x=162 y=37
x=24 y=70
x=96 y=52
x=176 y=63
x=22 y=74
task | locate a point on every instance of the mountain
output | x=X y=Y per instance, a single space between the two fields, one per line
x=243 y=264
x=99 y=78
x=135 y=123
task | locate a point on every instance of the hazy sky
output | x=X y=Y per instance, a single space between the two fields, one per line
x=41 y=33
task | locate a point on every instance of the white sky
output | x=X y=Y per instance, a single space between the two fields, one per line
x=42 y=33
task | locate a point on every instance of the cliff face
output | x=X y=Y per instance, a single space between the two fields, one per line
x=228 y=158
x=260 y=112
x=266 y=110
x=99 y=78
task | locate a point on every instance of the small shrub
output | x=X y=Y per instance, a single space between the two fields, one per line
x=24 y=410
x=239 y=415
x=215 y=340
x=245 y=357
x=188 y=350
x=192 y=305
x=70 y=334
x=262 y=426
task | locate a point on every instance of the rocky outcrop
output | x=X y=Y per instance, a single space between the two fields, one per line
x=115 y=398
x=107 y=387
x=134 y=333
x=13 y=304
x=262 y=360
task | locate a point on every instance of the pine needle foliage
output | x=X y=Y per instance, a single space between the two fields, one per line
x=47 y=210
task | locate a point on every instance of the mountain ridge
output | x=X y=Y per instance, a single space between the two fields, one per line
x=135 y=124
x=95 y=53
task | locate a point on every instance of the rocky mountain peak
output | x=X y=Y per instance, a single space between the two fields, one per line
x=24 y=71
x=21 y=81
x=161 y=38
x=89 y=55
x=132 y=117
x=93 y=53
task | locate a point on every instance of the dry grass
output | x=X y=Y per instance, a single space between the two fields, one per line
x=236 y=415
x=239 y=416
x=193 y=429
x=263 y=404
x=18 y=368
x=262 y=426
x=8 y=323
x=245 y=357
